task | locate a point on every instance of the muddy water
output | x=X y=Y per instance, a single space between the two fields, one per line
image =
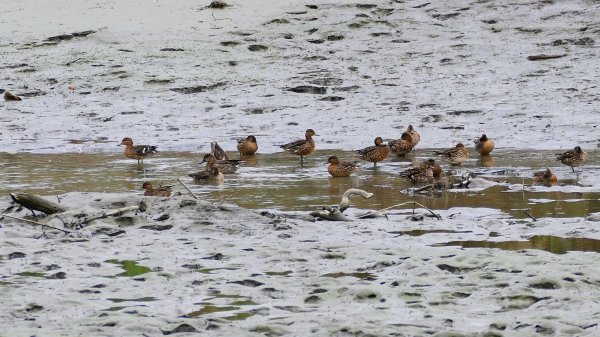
x=278 y=181
x=553 y=244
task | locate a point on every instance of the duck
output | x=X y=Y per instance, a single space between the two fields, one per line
x=218 y=151
x=162 y=191
x=375 y=153
x=225 y=166
x=138 y=152
x=573 y=158
x=545 y=177
x=454 y=156
x=414 y=135
x=340 y=169
x=211 y=175
x=419 y=175
x=436 y=169
x=483 y=145
x=401 y=147
x=301 y=147
x=247 y=146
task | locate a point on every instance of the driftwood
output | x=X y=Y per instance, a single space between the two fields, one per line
x=36 y=223
x=335 y=213
x=140 y=207
x=33 y=202
x=376 y=213
x=542 y=57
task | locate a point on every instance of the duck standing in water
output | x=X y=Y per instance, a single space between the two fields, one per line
x=414 y=135
x=225 y=166
x=375 y=153
x=484 y=145
x=247 y=146
x=138 y=152
x=401 y=147
x=339 y=168
x=162 y=191
x=573 y=158
x=545 y=177
x=301 y=147
x=218 y=151
x=454 y=156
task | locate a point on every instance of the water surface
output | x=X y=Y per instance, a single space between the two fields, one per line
x=278 y=181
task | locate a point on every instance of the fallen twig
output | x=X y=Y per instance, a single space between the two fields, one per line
x=119 y=211
x=37 y=223
x=437 y=216
x=192 y=193
x=529 y=215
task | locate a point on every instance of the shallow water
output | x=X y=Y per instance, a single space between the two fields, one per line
x=553 y=244
x=278 y=181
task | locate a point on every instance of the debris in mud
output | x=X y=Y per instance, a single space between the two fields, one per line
x=585 y=41
x=199 y=88
x=316 y=41
x=179 y=329
x=33 y=93
x=444 y=17
x=332 y=99
x=277 y=21
x=54 y=40
x=16 y=255
x=217 y=4
x=14 y=66
x=64 y=37
x=335 y=37
x=229 y=43
x=158 y=81
x=542 y=57
x=33 y=202
x=257 y=47
x=308 y=89
x=172 y=49
x=463 y=112
x=8 y=96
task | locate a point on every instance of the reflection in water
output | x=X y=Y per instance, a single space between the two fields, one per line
x=553 y=244
x=277 y=181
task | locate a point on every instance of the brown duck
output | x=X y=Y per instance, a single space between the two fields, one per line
x=162 y=191
x=414 y=135
x=419 y=175
x=545 y=177
x=339 y=168
x=484 y=145
x=454 y=156
x=218 y=151
x=138 y=152
x=573 y=158
x=375 y=153
x=247 y=146
x=211 y=175
x=402 y=146
x=301 y=147
x=224 y=166
x=436 y=169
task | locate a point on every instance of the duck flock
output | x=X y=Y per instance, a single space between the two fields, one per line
x=426 y=172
